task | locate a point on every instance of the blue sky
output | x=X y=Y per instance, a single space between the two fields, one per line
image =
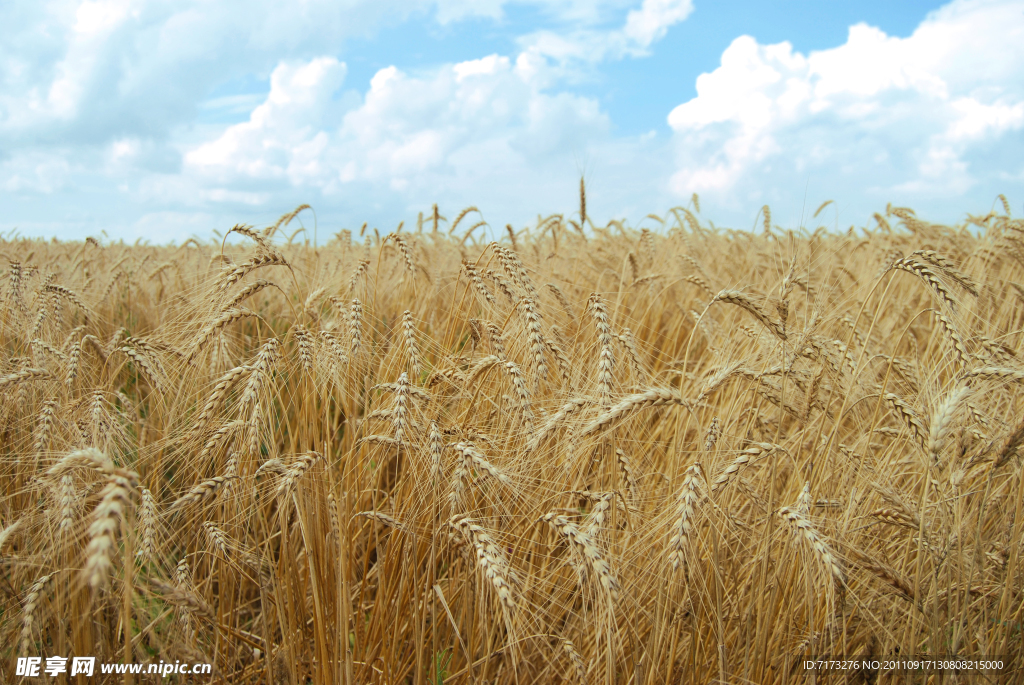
x=162 y=120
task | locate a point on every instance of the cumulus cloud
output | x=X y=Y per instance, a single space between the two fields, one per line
x=463 y=128
x=108 y=107
x=283 y=130
x=93 y=70
x=654 y=18
x=115 y=104
x=875 y=117
x=89 y=70
x=573 y=52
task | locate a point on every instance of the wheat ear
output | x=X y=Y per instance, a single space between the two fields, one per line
x=689 y=496
x=578 y=664
x=305 y=345
x=924 y=272
x=744 y=301
x=29 y=611
x=184 y=598
x=217 y=324
x=941 y=420
x=585 y=545
x=606 y=361
x=654 y=397
x=248 y=291
x=806 y=531
x=712 y=434
x=355 y=326
x=295 y=472
x=628 y=474
x=381 y=517
x=411 y=347
x=232 y=276
x=213 y=403
x=203 y=491
x=490 y=559
x=148 y=521
x=23 y=376
x=555 y=420
x=910 y=418
x=107 y=518
x=755 y=451
x=471 y=457
x=995 y=373
x=525 y=411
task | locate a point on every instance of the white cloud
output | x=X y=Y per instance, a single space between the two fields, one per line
x=111 y=107
x=90 y=72
x=35 y=172
x=652 y=21
x=449 y=11
x=86 y=72
x=975 y=120
x=283 y=129
x=574 y=52
x=479 y=122
x=110 y=104
x=876 y=116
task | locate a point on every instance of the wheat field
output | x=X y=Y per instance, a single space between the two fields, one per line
x=676 y=454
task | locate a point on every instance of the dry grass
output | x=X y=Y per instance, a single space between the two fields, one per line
x=404 y=461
